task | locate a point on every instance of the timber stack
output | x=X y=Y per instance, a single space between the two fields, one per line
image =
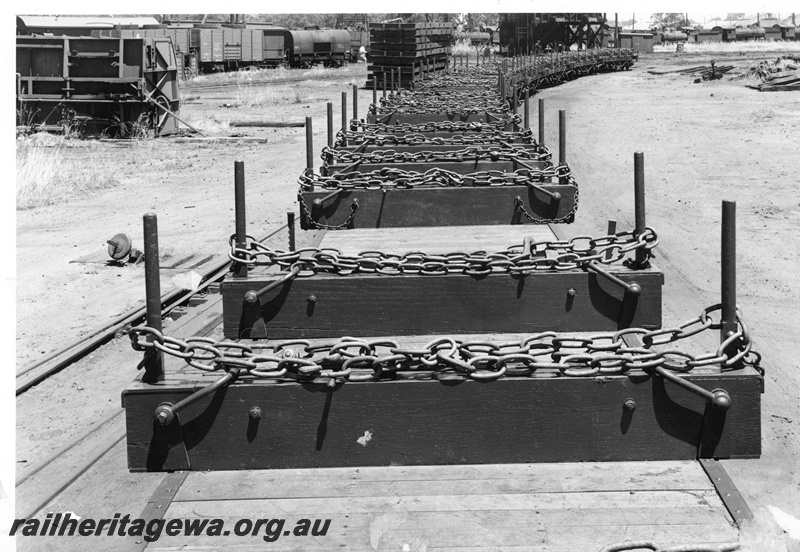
x=408 y=51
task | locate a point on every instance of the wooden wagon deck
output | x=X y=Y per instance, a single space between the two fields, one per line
x=524 y=507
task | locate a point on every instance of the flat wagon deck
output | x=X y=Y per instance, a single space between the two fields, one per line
x=407 y=415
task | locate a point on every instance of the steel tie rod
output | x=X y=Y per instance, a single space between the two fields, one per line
x=555 y=196
x=630 y=287
x=252 y=295
x=165 y=412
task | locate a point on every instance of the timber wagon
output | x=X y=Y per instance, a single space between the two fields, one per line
x=446 y=368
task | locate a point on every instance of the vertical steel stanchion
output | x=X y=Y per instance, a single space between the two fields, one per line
x=375 y=90
x=728 y=275
x=612 y=229
x=541 y=122
x=355 y=101
x=639 y=206
x=514 y=99
x=526 y=110
x=391 y=82
x=309 y=147
x=562 y=137
x=330 y=124
x=240 y=213
x=384 y=85
x=344 y=111
x=154 y=359
x=290 y=226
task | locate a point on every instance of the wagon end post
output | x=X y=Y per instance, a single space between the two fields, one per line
x=541 y=122
x=330 y=124
x=642 y=254
x=562 y=137
x=526 y=109
x=153 y=362
x=729 y=317
x=291 y=227
x=355 y=101
x=344 y=111
x=309 y=147
x=240 y=213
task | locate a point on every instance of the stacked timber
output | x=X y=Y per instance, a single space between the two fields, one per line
x=406 y=52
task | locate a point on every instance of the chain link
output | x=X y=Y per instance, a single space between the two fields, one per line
x=473 y=153
x=393 y=178
x=451 y=358
x=435 y=126
x=439 y=102
x=521 y=259
x=389 y=177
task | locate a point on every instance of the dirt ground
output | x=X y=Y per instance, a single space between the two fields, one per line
x=702 y=143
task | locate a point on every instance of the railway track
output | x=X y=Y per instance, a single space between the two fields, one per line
x=168 y=493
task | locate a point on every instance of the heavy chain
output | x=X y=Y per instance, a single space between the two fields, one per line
x=321 y=226
x=568 y=218
x=518 y=260
x=345 y=138
x=388 y=177
x=451 y=358
x=435 y=126
x=471 y=153
x=433 y=104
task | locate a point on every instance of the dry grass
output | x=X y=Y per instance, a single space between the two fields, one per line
x=45 y=175
x=252 y=96
x=265 y=76
x=743 y=47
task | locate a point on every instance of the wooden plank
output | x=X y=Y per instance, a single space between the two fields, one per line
x=377 y=304
x=511 y=420
x=435 y=240
x=417 y=543
x=445 y=206
x=676 y=506
x=583 y=521
x=410 y=517
x=434 y=480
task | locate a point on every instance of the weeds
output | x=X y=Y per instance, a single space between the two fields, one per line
x=45 y=175
x=300 y=95
x=251 y=96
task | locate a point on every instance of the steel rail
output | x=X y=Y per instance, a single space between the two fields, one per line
x=39 y=370
x=93 y=456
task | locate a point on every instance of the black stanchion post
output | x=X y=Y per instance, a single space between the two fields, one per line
x=330 y=124
x=154 y=359
x=562 y=137
x=728 y=275
x=355 y=101
x=239 y=269
x=290 y=226
x=541 y=122
x=639 y=206
x=344 y=111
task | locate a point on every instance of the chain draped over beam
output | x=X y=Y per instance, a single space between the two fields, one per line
x=449 y=358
